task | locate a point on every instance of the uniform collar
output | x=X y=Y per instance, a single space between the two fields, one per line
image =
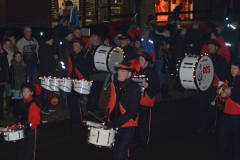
x=28 y=100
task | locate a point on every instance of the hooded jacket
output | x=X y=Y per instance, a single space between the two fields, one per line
x=17 y=74
x=147 y=43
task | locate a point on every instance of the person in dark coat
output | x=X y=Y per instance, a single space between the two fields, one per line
x=17 y=77
x=207 y=110
x=4 y=76
x=142 y=132
x=47 y=57
x=129 y=52
x=122 y=109
x=177 y=10
x=194 y=38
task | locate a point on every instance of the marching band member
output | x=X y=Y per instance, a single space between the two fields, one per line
x=207 y=110
x=142 y=132
x=30 y=118
x=123 y=107
x=77 y=69
x=230 y=122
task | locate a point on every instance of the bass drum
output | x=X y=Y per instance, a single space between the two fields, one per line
x=196 y=72
x=106 y=58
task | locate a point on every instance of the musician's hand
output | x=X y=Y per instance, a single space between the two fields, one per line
x=56 y=56
x=102 y=126
x=223 y=94
x=145 y=84
x=228 y=91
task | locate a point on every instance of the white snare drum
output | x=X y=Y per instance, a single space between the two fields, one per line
x=105 y=58
x=45 y=83
x=82 y=86
x=101 y=137
x=13 y=135
x=54 y=84
x=65 y=84
x=196 y=72
x=140 y=79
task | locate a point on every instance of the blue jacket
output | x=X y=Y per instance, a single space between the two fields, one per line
x=147 y=44
x=66 y=14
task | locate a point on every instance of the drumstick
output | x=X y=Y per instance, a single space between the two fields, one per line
x=213 y=102
x=92 y=124
x=95 y=117
x=105 y=88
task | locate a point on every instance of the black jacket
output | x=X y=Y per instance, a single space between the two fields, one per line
x=152 y=80
x=220 y=66
x=234 y=82
x=194 y=37
x=47 y=64
x=4 y=67
x=166 y=68
x=180 y=48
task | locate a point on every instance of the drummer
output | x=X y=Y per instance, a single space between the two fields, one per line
x=142 y=132
x=123 y=107
x=207 y=110
x=30 y=118
x=77 y=69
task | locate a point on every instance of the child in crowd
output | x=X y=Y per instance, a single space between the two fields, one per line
x=30 y=118
x=166 y=67
x=137 y=45
x=18 y=77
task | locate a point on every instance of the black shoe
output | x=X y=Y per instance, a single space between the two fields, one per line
x=97 y=109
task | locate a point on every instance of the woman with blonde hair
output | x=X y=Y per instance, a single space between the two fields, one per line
x=13 y=46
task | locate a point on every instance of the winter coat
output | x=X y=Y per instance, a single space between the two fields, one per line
x=47 y=64
x=194 y=37
x=180 y=47
x=147 y=44
x=4 y=67
x=17 y=74
x=166 y=68
x=75 y=19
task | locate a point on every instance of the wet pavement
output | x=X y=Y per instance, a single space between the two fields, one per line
x=173 y=137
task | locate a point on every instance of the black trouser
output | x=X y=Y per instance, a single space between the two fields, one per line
x=229 y=127
x=75 y=108
x=2 y=89
x=94 y=96
x=122 y=143
x=28 y=145
x=142 y=132
x=44 y=97
x=207 y=110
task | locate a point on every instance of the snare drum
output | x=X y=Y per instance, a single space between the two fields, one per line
x=196 y=72
x=82 y=86
x=45 y=83
x=54 y=84
x=65 y=84
x=101 y=137
x=140 y=79
x=13 y=135
x=106 y=58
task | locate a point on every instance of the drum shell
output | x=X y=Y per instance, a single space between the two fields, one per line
x=54 y=84
x=101 y=137
x=106 y=58
x=45 y=83
x=13 y=136
x=65 y=85
x=82 y=87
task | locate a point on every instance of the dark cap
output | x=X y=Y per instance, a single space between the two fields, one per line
x=151 y=17
x=68 y=3
x=212 y=41
x=67 y=32
x=132 y=66
x=150 y=57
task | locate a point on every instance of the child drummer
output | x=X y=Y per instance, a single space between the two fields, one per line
x=30 y=118
x=230 y=122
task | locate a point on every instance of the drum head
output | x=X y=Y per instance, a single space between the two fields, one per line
x=204 y=73
x=115 y=57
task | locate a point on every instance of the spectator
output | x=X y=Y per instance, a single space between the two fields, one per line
x=77 y=35
x=28 y=46
x=13 y=46
x=18 y=77
x=98 y=77
x=47 y=58
x=134 y=30
x=170 y=26
x=194 y=38
x=7 y=49
x=166 y=68
x=151 y=23
x=71 y=15
x=116 y=42
x=4 y=77
x=137 y=45
x=220 y=32
x=105 y=40
x=177 y=10
x=147 y=42
x=129 y=51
